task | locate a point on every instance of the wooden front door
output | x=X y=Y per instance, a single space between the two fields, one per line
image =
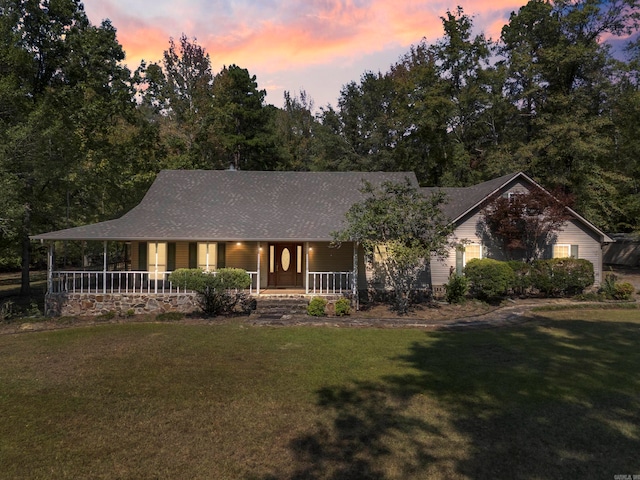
x=284 y=265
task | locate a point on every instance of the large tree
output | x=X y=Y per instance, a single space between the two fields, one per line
x=242 y=122
x=401 y=228
x=63 y=91
x=178 y=97
x=564 y=82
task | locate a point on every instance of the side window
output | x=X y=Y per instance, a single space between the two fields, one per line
x=464 y=256
x=564 y=250
x=471 y=251
x=561 y=250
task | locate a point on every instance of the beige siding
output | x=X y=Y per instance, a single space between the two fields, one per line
x=324 y=258
x=516 y=187
x=182 y=255
x=264 y=264
x=589 y=246
x=242 y=255
x=135 y=259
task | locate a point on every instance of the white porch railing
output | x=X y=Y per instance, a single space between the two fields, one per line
x=129 y=282
x=330 y=283
x=97 y=282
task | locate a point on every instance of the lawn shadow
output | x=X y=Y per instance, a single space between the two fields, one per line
x=550 y=399
x=553 y=399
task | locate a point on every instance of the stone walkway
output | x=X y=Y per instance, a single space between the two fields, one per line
x=500 y=316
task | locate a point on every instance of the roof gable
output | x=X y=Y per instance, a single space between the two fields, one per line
x=463 y=201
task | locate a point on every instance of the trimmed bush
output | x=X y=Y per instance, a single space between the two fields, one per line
x=623 y=291
x=343 y=307
x=522 y=276
x=316 y=307
x=456 y=289
x=220 y=292
x=561 y=276
x=489 y=279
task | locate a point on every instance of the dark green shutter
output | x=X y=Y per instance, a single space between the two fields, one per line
x=193 y=255
x=574 y=251
x=222 y=250
x=548 y=251
x=143 y=250
x=459 y=261
x=171 y=256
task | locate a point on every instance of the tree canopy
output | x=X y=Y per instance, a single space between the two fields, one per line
x=82 y=137
x=399 y=229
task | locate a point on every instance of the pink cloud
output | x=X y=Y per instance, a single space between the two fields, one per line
x=309 y=34
x=280 y=39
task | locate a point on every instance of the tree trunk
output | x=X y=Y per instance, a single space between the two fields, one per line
x=25 y=287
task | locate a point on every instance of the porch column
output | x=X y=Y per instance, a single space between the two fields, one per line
x=104 y=271
x=355 y=276
x=306 y=269
x=50 y=268
x=258 y=269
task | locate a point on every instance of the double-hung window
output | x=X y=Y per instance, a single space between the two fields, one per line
x=564 y=250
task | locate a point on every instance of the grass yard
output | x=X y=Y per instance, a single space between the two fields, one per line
x=556 y=397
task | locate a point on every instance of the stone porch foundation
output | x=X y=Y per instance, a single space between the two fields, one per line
x=83 y=304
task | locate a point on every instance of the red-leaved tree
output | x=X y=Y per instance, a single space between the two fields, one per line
x=525 y=223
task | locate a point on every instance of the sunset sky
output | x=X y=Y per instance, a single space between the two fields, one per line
x=315 y=45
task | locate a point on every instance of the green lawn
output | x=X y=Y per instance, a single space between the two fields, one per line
x=556 y=397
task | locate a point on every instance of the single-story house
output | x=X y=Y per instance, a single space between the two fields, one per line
x=276 y=225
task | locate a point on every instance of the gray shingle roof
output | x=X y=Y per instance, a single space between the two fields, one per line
x=236 y=205
x=463 y=199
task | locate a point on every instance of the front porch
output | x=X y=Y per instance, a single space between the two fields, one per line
x=81 y=293
x=304 y=269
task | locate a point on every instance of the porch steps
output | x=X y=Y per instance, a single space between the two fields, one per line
x=278 y=307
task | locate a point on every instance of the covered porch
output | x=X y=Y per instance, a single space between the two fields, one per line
x=275 y=268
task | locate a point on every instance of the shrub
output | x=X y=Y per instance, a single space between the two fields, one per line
x=623 y=291
x=343 y=307
x=522 y=276
x=105 y=317
x=456 y=289
x=489 y=279
x=614 y=290
x=608 y=287
x=7 y=310
x=562 y=276
x=316 y=307
x=220 y=292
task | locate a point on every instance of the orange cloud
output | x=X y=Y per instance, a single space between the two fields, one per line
x=292 y=34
